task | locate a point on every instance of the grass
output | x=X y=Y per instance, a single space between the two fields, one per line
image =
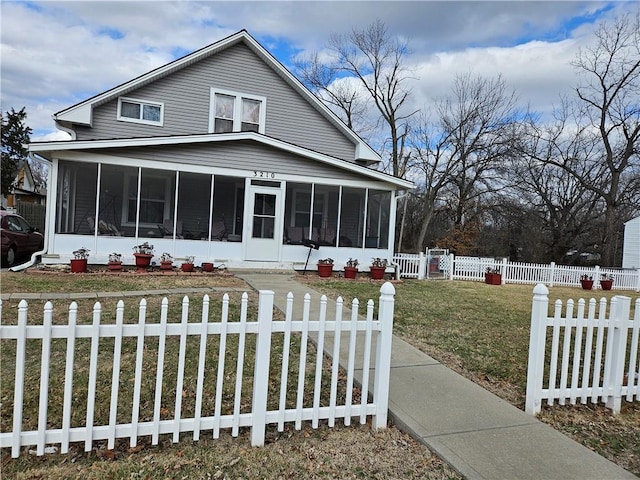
x=355 y=452
x=482 y=331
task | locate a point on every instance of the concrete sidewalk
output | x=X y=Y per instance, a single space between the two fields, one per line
x=478 y=434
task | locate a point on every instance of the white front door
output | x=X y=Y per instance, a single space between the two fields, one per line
x=264 y=236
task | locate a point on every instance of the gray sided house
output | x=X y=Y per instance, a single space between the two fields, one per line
x=223 y=155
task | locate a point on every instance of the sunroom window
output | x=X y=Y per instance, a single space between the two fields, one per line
x=140 y=111
x=236 y=112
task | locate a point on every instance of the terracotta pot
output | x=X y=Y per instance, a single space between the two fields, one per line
x=115 y=266
x=493 y=278
x=78 y=265
x=207 y=267
x=187 y=267
x=325 y=269
x=350 y=272
x=586 y=284
x=143 y=260
x=167 y=265
x=606 y=284
x=377 y=273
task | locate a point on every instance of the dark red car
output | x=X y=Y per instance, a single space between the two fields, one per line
x=19 y=239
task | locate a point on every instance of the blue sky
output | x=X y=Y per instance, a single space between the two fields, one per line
x=55 y=54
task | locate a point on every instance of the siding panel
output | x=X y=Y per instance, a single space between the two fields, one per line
x=186 y=98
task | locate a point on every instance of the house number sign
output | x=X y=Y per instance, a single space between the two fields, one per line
x=263 y=174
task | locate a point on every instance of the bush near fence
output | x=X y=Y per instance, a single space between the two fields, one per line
x=171 y=378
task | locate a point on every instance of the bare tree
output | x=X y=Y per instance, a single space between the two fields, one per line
x=607 y=110
x=376 y=61
x=462 y=155
x=342 y=95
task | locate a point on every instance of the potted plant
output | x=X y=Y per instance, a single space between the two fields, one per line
x=377 y=268
x=143 y=254
x=325 y=267
x=115 y=262
x=187 y=265
x=493 y=276
x=166 y=261
x=586 y=281
x=79 y=260
x=606 y=281
x=351 y=268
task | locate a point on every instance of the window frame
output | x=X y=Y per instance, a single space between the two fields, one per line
x=126 y=197
x=142 y=104
x=237 y=110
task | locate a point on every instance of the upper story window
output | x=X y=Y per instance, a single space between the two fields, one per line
x=236 y=112
x=140 y=111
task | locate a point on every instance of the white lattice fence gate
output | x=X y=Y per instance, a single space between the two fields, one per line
x=583 y=353
x=147 y=375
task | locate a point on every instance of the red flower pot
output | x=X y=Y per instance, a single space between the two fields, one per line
x=207 y=267
x=143 y=260
x=187 y=267
x=493 y=278
x=166 y=265
x=377 y=273
x=78 y=265
x=350 y=272
x=115 y=266
x=325 y=269
x=586 y=284
x=606 y=284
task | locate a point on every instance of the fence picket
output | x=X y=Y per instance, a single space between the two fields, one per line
x=555 y=342
x=115 y=378
x=303 y=360
x=201 y=367
x=351 y=362
x=181 y=360
x=319 y=357
x=68 y=378
x=240 y=364
x=588 y=348
x=366 y=363
x=137 y=386
x=221 y=360
x=284 y=373
x=334 y=368
x=162 y=339
x=93 y=369
x=577 y=351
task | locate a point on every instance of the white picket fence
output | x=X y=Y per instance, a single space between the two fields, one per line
x=586 y=355
x=416 y=265
x=371 y=336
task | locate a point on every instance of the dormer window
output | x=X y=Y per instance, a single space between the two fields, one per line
x=140 y=111
x=236 y=112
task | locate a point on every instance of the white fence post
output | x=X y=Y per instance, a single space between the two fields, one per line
x=383 y=355
x=552 y=273
x=451 y=265
x=421 y=266
x=537 y=341
x=618 y=327
x=596 y=277
x=504 y=270
x=261 y=369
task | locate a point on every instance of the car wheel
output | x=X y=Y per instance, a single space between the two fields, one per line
x=11 y=256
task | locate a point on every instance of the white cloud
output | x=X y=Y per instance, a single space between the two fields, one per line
x=55 y=54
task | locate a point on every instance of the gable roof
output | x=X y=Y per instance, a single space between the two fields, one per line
x=82 y=113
